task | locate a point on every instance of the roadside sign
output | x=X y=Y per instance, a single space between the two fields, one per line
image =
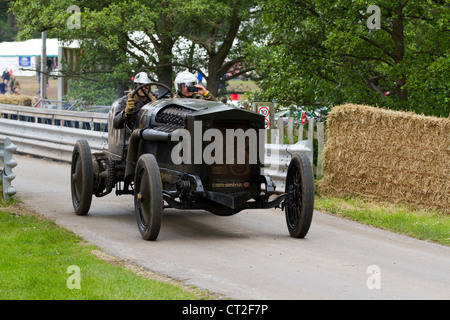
x=264 y=111
x=24 y=61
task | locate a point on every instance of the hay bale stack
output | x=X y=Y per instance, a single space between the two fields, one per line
x=18 y=99
x=387 y=155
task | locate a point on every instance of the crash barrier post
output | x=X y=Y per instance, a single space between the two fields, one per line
x=7 y=150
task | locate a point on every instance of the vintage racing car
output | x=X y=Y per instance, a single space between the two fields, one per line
x=190 y=154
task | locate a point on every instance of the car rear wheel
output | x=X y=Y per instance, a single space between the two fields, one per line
x=148 y=197
x=82 y=177
x=299 y=206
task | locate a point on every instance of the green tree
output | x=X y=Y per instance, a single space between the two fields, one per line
x=218 y=33
x=328 y=52
x=119 y=38
x=8 y=29
x=113 y=38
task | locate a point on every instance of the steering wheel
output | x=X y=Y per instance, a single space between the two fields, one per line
x=158 y=84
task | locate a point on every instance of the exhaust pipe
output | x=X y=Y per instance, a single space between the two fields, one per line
x=138 y=134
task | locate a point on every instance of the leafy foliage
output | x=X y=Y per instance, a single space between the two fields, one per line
x=324 y=53
x=123 y=38
x=7 y=32
x=310 y=53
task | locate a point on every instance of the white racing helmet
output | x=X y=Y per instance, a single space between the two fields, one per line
x=141 y=78
x=185 y=78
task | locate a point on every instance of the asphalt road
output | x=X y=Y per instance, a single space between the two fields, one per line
x=249 y=255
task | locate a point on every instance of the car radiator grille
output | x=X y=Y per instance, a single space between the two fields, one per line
x=230 y=177
x=173 y=116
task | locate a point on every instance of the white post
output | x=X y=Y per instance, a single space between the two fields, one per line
x=43 y=83
x=60 y=81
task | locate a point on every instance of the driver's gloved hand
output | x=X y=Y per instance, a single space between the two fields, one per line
x=130 y=104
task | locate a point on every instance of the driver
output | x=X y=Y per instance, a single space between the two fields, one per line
x=125 y=111
x=187 y=87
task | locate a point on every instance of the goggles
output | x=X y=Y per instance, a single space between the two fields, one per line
x=140 y=84
x=187 y=84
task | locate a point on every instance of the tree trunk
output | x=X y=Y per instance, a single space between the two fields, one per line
x=165 y=58
x=121 y=88
x=164 y=50
x=399 y=45
x=216 y=66
x=213 y=83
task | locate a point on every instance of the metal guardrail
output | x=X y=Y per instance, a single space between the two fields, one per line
x=69 y=106
x=94 y=121
x=57 y=141
x=54 y=142
x=55 y=104
x=277 y=159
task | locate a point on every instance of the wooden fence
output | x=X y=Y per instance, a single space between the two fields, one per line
x=286 y=130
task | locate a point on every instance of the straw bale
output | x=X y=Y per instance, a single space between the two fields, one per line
x=387 y=155
x=21 y=100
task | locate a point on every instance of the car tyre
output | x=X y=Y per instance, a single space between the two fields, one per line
x=148 y=197
x=82 y=177
x=300 y=184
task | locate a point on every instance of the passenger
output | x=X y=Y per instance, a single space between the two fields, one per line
x=187 y=87
x=127 y=108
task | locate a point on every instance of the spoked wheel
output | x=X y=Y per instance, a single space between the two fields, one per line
x=81 y=177
x=148 y=197
x=299 y=206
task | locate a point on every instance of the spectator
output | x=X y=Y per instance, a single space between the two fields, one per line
x=14 y=84
x=4 y=86
x=6 y=76
x=49 y=65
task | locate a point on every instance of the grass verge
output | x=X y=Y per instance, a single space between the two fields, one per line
x=418 y=223
x=41 y=261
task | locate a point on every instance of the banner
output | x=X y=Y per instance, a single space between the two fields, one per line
x=24 y=61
